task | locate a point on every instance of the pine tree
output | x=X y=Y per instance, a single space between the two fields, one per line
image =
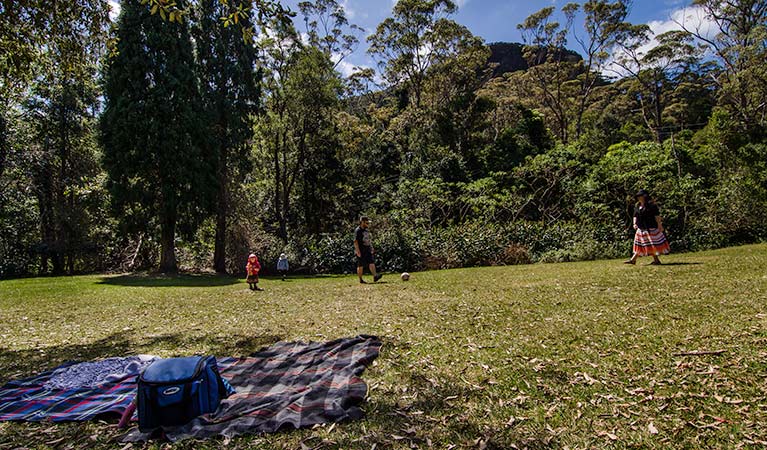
x=161 y=169
x=231 y=90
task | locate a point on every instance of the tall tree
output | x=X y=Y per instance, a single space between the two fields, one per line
x=303 y=92
x=61 y=110
x=603 y=20
x=416 y=37
x=550 y=69
x=49 y=77
x=656 y=71
x=29 y=32
x=740 y=46
x=329 y=31
x=161 y=169
x=230 y=85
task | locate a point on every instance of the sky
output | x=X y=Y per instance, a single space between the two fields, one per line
x=496 y=20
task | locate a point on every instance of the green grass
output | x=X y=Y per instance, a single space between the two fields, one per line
x=577 y=355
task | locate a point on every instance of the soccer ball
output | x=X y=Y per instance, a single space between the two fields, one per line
x=405 y=276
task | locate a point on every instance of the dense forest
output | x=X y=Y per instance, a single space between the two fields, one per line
x=183 y=135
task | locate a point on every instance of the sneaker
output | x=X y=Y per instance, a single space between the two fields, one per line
x=363 y=281
x=629 y=262
x=377 y=277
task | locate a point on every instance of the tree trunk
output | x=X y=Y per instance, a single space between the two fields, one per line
x=58 y=260
x=222 y=212
x=168 y=244
x=3 y=142
x=277 y=185
x=219 y=253
x=658 y=113
x=283 y=232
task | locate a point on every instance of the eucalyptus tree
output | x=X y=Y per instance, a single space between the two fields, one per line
x=417 y=36
x=156 y=150
x=434 y=66
x=296 y=138
x=551 y=70
x=329 y=30
x=655 y=71
x=602 y=23
x=740 y=47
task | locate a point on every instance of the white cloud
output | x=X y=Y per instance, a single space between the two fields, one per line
x=691 y=18
x=458 y=3
x=346 y=68
x=114 y=9
x=350 y=13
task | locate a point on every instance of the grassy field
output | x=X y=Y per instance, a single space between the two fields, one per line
x=578 y=355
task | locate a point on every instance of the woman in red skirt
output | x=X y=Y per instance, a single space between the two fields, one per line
x=649 y=239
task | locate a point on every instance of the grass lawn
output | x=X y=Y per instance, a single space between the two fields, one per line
x=578 y=355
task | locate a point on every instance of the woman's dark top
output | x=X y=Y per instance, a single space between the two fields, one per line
x=646 y=215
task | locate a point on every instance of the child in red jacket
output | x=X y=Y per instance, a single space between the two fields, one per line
x=252 y=269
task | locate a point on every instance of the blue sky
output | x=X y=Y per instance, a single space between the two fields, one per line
x=496 y=20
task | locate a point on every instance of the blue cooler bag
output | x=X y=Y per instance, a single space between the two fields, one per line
x=174 y=391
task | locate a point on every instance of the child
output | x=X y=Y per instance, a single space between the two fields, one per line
x=282 y=265
x=252 y=269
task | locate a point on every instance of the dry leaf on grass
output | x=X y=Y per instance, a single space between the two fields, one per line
x=609 y=435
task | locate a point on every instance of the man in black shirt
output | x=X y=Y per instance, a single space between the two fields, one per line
x=363 y=249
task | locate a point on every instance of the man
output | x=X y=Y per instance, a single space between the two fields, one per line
x=363 y=249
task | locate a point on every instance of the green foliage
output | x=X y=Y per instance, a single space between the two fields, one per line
x=19 y=216
x=471 y=243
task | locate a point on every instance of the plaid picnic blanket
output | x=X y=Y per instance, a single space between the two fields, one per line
x=288 y=385
x=32 y=399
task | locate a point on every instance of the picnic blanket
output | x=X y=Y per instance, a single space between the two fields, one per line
x=95 y=373
x=67 y=394
x=288 y=385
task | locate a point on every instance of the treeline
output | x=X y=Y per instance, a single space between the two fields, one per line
x=188 y=136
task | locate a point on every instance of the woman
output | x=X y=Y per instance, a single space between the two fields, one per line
x=649 y=239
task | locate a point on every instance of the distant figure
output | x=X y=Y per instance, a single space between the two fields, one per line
x=282 y=265
x=649 y=239
x=252 y=269
x=363 y=249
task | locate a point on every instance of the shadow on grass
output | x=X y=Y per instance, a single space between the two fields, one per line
x=303 y=277
x=18 y=363
x=145 y=280
x=681 y=264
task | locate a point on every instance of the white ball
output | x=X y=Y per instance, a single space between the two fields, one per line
x=405 y=276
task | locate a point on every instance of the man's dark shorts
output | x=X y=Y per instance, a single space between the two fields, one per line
x=365 y=260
